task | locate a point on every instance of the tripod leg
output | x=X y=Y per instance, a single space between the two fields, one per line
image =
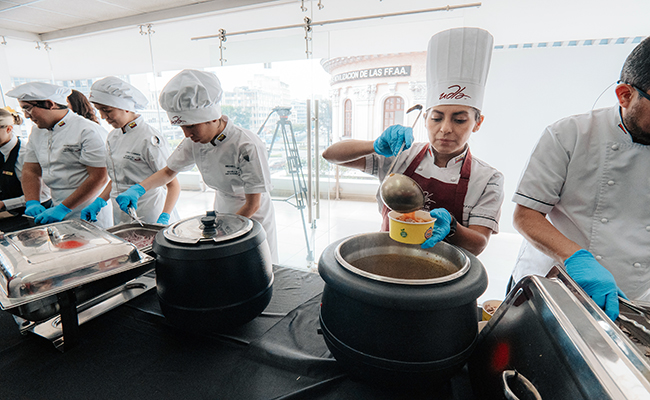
x=275 y=134
x=299 y=188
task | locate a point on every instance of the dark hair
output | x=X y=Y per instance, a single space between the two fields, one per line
x=80 y=105
x=43 y=104
x=17 y=118
x=636 y=70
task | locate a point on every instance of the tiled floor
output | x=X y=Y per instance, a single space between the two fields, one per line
x=341 y=218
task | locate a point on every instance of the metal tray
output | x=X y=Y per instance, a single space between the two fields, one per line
x=129 y=230
x=38 y=264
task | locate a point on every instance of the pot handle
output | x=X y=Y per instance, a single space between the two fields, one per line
x=523 y=387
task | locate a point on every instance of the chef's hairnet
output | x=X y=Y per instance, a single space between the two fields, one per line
x=192 y=97
x=40 y=91
x=114 y=92
x=458 y=61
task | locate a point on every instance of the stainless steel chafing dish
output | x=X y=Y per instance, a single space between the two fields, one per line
x=549 y=340
x=55 y=268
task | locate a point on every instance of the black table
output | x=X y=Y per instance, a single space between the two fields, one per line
x=132 y=353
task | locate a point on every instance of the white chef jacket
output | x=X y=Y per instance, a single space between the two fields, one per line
x=134 y=155
x=18 y=202
x=63 y=154
x=592 y=181
x=236 y=165
x=482 y=205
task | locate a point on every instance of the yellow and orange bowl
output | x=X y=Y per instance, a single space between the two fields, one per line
x=489 y=308
x=410 y=232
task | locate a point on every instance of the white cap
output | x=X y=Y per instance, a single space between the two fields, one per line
x=192 y=97
x=114 y=92
x=458 y=61
x=40 y=91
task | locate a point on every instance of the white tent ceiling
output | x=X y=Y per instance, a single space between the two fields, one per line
x=70 y=39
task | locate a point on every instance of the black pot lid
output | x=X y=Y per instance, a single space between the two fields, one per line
x=213 y=226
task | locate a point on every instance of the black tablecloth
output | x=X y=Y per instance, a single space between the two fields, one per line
x=132 y=353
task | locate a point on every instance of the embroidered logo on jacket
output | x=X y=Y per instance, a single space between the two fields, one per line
x=133 y=156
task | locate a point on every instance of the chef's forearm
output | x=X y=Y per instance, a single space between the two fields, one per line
x=473 y=239
x=539 y=231
x=106 y=193
x=173 y=192
x=89 y=189
x=349 y=153
x=31 y=181
x=160 y=178
x=253 y=202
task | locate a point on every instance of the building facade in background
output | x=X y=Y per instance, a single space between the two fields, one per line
x=371 y=93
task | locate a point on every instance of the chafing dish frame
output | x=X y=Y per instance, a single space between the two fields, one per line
x=57 y=314
x=551 y=332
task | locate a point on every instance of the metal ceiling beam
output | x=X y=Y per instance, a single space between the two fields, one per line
x=206 y=7
x=338 y=21
x=10 y=33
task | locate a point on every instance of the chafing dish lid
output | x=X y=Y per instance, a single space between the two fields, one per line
x=45 y=260
x=213 y=226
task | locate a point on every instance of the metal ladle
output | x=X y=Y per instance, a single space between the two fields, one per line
x=399 y=192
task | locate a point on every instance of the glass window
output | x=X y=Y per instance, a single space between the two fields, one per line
x=347 y=129
x=393 y=111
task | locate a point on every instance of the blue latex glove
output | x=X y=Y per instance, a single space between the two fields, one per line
x=390 y=141
x=594 y=279
x=130 y=198
x=163 y=219
x=441 y=227
x=33 y=208
x=53 y=214
x=89 y=213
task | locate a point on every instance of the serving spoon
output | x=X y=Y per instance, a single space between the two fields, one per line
x=399 y=192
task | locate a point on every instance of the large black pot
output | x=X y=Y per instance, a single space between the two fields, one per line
x=393 y=327
x=221 y=279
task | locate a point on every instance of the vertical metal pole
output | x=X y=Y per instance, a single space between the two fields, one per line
x=150 y=32
x=316 y=161
x=309 y=171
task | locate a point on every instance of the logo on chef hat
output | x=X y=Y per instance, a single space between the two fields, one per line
x=455 y=92
x=177 y=120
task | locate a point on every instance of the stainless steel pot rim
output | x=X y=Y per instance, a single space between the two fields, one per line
x=383 y=241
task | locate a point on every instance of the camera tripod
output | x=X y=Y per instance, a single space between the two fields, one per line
x=294 y=165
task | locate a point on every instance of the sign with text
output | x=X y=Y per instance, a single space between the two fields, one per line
x=403 y=70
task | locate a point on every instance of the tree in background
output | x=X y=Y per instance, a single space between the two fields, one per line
x=240 y=116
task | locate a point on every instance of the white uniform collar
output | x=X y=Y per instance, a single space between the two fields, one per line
x=133 y=124
x=62 y=122
x=459 y=158
x=7 y=147
x=225 y=133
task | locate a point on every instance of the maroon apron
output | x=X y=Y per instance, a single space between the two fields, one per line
x=438 y=194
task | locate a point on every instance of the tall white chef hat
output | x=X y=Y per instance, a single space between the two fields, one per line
x=192 y=97
x=39 y=91
x=458 y=61
x=114 y=92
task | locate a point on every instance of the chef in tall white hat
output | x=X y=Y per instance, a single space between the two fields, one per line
x=463 y=193
x=65 y=151
x=232 y=160
x=135 y=151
